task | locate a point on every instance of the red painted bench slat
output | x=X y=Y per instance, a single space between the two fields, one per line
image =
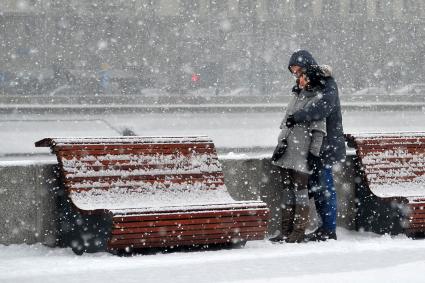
x=199 y=241
x=164 y=223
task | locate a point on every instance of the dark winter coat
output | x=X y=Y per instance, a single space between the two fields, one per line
x=328 y=106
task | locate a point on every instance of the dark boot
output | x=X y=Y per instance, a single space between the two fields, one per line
x=277 y=239
x=299 y=225
x=287 y=220
x=321 y=235
x=288 y=215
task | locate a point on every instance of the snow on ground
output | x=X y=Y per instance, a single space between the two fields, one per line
x=259 y=129
x=355 y=257
x=19 y=136
x=228 y=130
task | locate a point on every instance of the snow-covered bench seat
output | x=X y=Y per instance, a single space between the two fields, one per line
x=390 y=182
x=148 y=192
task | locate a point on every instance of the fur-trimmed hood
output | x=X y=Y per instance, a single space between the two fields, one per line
x=326 y=70
x=317 y=75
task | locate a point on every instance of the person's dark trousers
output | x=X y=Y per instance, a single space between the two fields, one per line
x=322 y=189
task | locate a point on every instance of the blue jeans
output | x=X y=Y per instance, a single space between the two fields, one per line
x=322 y=189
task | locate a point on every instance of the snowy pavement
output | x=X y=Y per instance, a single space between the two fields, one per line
x=355 y=257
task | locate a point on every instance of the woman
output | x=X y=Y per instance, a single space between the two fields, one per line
x=297 y=153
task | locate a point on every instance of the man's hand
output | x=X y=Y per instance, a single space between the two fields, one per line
x=290 y=121
x=313 y=161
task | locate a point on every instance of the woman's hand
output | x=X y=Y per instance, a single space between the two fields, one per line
x=290 y=121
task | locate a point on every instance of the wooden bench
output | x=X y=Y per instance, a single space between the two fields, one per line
x=390 y=182
x=148 y=192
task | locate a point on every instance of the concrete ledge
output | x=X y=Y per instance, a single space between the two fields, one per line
x=259 y=179
x=184 y=108
x=27 y=195
x=27 y=202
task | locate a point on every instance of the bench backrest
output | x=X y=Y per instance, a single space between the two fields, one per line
x=123 y=168
x=393 y=164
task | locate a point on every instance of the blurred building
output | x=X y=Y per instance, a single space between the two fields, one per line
x=245 y=42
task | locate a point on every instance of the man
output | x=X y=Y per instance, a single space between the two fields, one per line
x=321 y=182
